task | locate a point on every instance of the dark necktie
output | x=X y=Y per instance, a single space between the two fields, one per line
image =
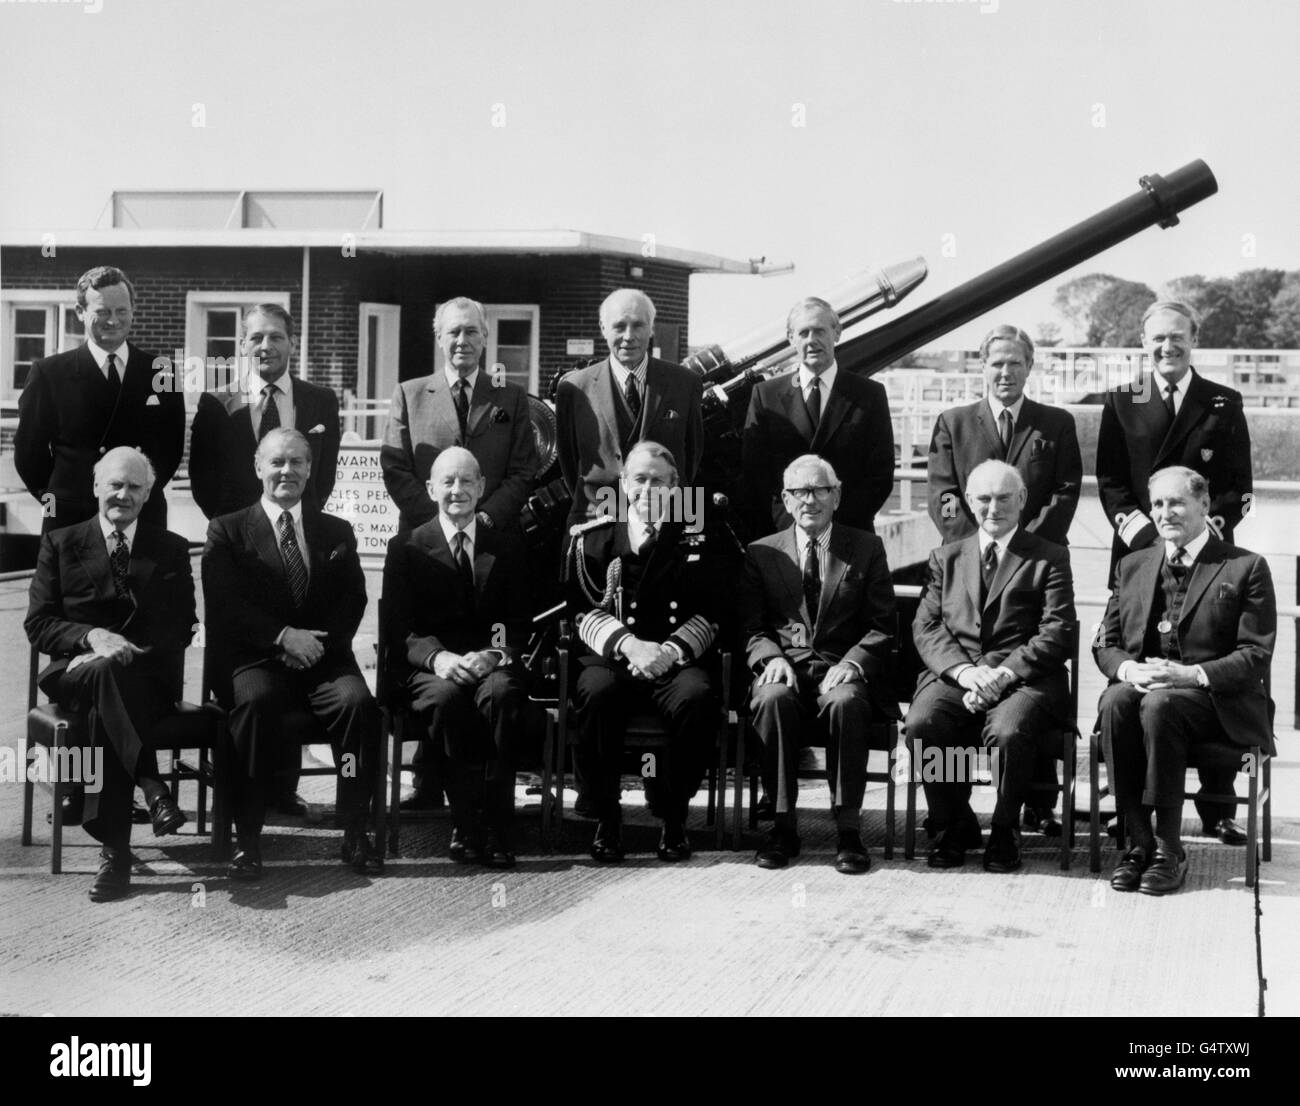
x=988 y=569
x=270 y=412
x=464 y=567
x=812 y=581
x=120 y=561
x=114 y=380
x=462 y=407
x=1178 y=563
x=293 y=559
x=633 y=394
x=815 y=402
x=1169 y=403
x=1004 y=421
x=650 y=535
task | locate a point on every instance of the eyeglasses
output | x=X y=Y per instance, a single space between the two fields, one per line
x=816 y=491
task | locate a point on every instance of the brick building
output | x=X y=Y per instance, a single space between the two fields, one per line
x=363 y=296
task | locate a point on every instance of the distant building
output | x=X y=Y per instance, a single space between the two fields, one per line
x=363 y=296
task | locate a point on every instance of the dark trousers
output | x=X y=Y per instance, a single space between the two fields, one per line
x=1146 y=738
x=477 y=729
x=607 y=696
x=1018 y=729
x=335 y=693
x=785 y=719
x=122 y=704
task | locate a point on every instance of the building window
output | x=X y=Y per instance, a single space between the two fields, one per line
x=36 y=324
x=214 y=333
x=513 y=343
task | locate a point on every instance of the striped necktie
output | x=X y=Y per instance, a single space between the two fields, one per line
x=293 y=561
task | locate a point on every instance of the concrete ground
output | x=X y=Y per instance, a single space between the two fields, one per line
x=561 y=935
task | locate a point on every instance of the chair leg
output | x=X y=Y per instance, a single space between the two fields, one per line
x=548 y=779
x=890 y=797
x=738 y=795
x=28 y=791
x=720 y=780
x=223 y=758
x=379 y=792
x=56 y=818
x=1094 y=803
x=909 y=823
x=1067 y=797
x=1267 y=802
x=1252 y=828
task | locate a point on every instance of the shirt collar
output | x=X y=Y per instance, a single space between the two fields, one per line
x=1015 y=408
x=823 y=541
x=453 y=377
x=637 y=530
x=450 y=530
x=827 y=378
x=283 y=384
x=274 y=511
x=1192 y=548
x=620 y=372
x=107 y=528
x=986 y=540
x=100 y=354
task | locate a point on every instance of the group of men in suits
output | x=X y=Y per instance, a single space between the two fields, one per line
x=113 y=599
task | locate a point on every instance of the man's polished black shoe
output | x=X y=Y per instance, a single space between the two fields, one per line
x=166 y=816
x=246 y=864
x=779 y=847
x=673 y=844
x=1128 y=872
x=1003 y=852
x=1227 y=831
x=607 y=845
x=950 y=849
x=850 y=854
x=359 y=851
x=497 y=852
x=113 y=881
x=291 y=803
x=423 y=800
x=1165 y=875
x=464 y=848
x=139 y=815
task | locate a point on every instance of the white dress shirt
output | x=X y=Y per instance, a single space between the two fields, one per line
x=283 y=400
x=100 y=354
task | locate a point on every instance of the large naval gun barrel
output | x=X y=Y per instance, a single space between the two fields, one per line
x=765 y=350
x=1159 y=203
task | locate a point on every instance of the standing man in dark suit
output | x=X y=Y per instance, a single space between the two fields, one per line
x=284 y=595
x=228 y=425
x=231 y=420
x=461 y=405
x=603 y=410
x=456 y=602
x=1172 y=416
x=78 y=405
x=817 y=610
x=1186 y=643
x=818 y=409
x=112 y=603
x=642 y=603
x=1039 y=441
x=993 y=632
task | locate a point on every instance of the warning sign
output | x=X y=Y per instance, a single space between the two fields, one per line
x=360 y=497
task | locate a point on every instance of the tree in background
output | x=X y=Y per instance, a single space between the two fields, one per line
x=1284 y=328
x=1116 y=317
x=1074 y=301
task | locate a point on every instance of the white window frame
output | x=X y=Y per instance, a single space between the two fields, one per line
x=197 y=305
x=12 y=299
x=529 y=312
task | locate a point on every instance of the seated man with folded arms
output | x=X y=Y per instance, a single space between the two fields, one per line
x=817 y=612
x=456 y=603
x=1186 y=643
x=112 y=603
x=992 y=630
x=284 y=594
x=642 y=603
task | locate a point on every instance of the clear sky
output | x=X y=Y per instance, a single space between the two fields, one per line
x=922 y=120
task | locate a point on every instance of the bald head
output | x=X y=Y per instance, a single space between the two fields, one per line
x=456 y=485
x=627 y=320
x=996 y=495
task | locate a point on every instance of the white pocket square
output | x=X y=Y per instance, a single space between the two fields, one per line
x=153 y=401
x=319 y=428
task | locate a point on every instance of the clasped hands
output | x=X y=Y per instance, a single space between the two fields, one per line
x=648 y=660
x=105 y=643
x=1159 y=674
x=984 y=686
x=779 y=670
x=302 y=648
x=465 y=669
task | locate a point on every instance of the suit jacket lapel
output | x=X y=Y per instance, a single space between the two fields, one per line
x=92 y=552
x=1147 y=580
x=968 y=569
x=605 y=404
x=480 y=402
x=837 y=562
x=262 y=537
x=654 y=395
x=1208 y=565
x=144 y=559
x=795 y=408
x=792 y=573
x=992 y=439
x=444 y=406
x=1021 y=431
x=1008 y=565
x=1189 y=414
x=833 y=412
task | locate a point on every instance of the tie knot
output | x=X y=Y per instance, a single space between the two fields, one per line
x=286 y=520
x=1179 y=558
x=119 y=537
x=269 y=390
x=991 y=554
x=1170 y=389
